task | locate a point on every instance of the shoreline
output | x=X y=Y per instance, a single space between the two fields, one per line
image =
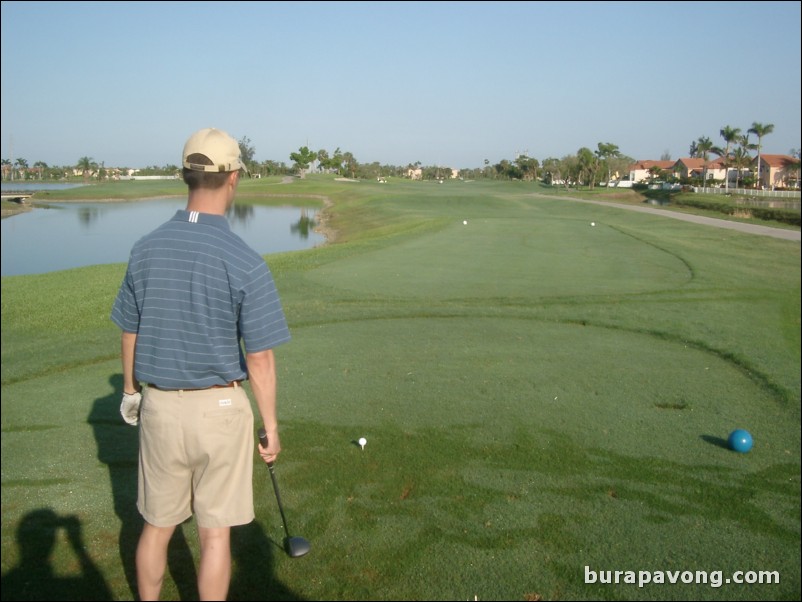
x=322 y=227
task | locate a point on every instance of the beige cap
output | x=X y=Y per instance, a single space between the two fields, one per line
x=220 y=148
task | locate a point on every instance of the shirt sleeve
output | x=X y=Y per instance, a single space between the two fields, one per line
x=125 y=312
x=262 y=322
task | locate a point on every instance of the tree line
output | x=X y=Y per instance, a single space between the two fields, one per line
x=584 y=168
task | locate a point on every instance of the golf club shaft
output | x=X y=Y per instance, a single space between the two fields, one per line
x=263 y=441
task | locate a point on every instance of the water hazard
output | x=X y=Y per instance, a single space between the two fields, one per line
x=59 y=236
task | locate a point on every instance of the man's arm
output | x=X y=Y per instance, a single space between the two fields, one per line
x=132 y=398
x=128 y=347
x=262 y=375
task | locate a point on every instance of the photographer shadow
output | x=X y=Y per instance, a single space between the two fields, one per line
x=118 y=448
x=34 y=578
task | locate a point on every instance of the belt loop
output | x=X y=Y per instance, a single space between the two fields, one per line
x=236 y=384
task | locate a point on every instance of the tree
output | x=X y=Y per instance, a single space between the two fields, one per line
x=606 y=152
x=86 y=164
x=528 y=167
x=323 y=159
x=572 y=170
x=703 y=147
x=730 y=135
x=40 y=167
x=247 y=151
x=656 y=173
x=303 y=158
x=349 y=163
x=741 y=155
x=551 y=171
x=760 y=130
x=335 y=162
x=22 y=167
x=588 y=163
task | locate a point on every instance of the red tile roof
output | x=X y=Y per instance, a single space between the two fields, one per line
x=779 y=161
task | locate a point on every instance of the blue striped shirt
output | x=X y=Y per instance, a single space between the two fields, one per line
x=196 y=294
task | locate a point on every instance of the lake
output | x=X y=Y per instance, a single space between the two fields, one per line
x=36 y=186
x=59 y=236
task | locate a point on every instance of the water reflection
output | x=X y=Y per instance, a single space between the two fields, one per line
x=87 y=215
x=239 y=214
x=304 y=225
x=59 y=236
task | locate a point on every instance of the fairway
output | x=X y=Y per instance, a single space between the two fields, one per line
x=540 y=397
x=536 y=255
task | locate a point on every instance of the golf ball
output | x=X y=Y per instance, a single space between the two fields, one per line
x=464 y=222
x=740 y=441
x=592 y=223
x=362 y=442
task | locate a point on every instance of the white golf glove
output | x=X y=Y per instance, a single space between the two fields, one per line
x=129 y=408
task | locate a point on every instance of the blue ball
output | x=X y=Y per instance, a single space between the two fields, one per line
x=740 y=441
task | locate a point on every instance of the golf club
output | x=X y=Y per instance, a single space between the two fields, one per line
x=294 y=546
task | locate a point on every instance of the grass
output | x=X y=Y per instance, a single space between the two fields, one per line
x=538 y=397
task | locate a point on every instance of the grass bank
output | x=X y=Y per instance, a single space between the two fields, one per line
x=541 y=397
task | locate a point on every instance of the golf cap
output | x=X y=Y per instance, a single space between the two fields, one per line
x=217 y=146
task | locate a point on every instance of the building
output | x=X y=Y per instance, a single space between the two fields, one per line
x=778 y=171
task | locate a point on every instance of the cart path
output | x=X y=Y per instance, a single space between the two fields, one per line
x=696 y=219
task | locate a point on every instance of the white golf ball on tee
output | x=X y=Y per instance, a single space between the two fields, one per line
x=362 y=442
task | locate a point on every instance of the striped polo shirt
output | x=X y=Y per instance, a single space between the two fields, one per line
x=196 y=294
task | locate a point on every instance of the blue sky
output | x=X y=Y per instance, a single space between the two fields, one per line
x=443 y=83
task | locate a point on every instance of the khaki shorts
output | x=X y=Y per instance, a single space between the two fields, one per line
x=196 y=453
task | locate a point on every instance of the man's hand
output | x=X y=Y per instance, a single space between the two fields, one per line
x=129 y=408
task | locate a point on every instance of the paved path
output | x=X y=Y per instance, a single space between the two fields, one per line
x=699 y=219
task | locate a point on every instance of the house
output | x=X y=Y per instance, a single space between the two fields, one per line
x=778 y=171
x=640 y=171
x=689 y=167
x=716 y=169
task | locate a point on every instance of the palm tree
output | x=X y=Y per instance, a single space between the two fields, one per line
x=703 y=147
x=655 y=172
x=349 y=163
x=730 y=135
x=741 y=154
x=760 y=130
x=22 y=168
x=40 y=167
x=85 y=164
x=795 y=165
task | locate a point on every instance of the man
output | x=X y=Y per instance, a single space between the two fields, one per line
x=193 y=296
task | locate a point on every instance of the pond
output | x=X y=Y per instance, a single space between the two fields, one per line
x=59 y=236
x=36 y=186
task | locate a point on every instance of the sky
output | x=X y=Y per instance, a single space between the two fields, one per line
x=441 y=83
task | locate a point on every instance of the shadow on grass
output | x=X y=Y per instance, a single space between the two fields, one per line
x=34 y=577
x=118 y=448
x=253 y=574
x=717 y=441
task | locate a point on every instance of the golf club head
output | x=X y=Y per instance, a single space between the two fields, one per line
x=296 y=546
